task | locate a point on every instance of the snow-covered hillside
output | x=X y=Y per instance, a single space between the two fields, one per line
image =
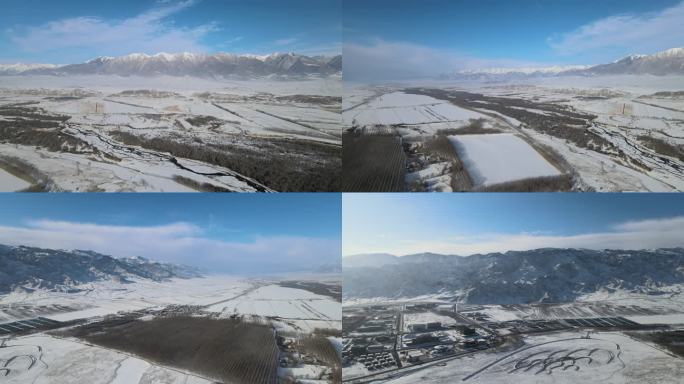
x=189 y=64
x=669 y=62
x=29 y=268
x=543 y=275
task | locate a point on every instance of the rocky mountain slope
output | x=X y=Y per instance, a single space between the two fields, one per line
x=36 y=268
x=542 y=275
x=670 y=62
x=189 y=64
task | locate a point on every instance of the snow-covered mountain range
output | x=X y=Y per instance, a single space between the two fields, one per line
x=35 y=268
x=18 y=68
x=548 y=275
x=189 y=64
x=670 y=62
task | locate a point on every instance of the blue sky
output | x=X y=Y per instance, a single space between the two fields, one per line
x=240 y=233
x=424 y=36
x=472 y=223
x=72 y=31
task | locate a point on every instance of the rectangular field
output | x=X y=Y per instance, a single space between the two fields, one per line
x=229 y=350
x=401 y=108
x=373 y=163
x=500 y=158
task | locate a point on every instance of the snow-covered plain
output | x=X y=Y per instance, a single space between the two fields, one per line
x=188 y=111
x=627 y=108
x=328 y=86
x=101 y=298
x=500 y=158
x=291 y=309
x=616 y=358
x=408 y=109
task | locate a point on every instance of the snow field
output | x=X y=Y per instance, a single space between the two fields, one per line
x=104 y=298
x=401 y=108
x=304 y=309
x=498 y=158
x=331 y=86
x=75 y=172
x=11 y=183
x=60 y=361
x=632 y=362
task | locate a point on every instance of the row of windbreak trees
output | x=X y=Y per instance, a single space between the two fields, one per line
x=255 y=359
x=373 y=162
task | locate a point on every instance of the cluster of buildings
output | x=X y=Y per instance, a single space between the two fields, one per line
x=377 y=361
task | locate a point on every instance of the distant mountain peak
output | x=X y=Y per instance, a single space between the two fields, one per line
x=556 y=69
x=631 y=57
x=17 y=68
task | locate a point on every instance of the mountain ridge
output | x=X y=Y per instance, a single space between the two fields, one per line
x=517 y=277
x=220 y=64
x=23 y=267
x=668 y=62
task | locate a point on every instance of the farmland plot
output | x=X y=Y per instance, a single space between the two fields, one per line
x=289 y=308
x=398 y=108
x=500 y=158
x=373 y=163
x=225 y=349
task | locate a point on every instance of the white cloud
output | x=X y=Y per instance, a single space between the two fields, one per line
x=149 y=32
x=178 y=243
x=645 y=234
x=646 y=33
x=382 y=60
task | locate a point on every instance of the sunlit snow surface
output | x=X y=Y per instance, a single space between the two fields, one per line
x=11 y=183
x=494 y=159
x=402 y=108
x=295 y=309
